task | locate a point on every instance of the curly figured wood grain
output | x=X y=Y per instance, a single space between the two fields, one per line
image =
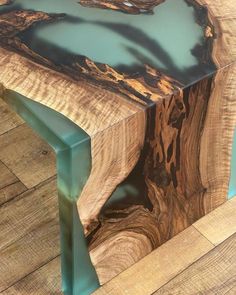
x=217 y=138
x=81 y=102
x=145 y=87
x=125 y=236
x=127 y=6
x=222 y=16
x=172 y=163
x=116 y=150
x=122 y=250
x=5 y=2
x=216 y=144
x=173 y=183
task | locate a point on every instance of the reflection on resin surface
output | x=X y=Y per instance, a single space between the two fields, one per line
x=167 y=40
x=232 y=185
x=72 y=146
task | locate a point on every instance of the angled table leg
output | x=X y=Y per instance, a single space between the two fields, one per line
x=72 y=147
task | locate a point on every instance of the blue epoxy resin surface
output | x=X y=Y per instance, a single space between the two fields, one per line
x=166 y=40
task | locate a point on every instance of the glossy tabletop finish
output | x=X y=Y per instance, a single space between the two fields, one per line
x=169 y=39
x=137 y=98
x=175 y=38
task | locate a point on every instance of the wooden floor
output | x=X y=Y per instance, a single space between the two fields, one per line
x=200 y=260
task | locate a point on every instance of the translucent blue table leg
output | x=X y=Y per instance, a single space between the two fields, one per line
x=72 y=147
x=78 y=274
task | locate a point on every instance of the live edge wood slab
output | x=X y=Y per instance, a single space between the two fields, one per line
x=169 y=133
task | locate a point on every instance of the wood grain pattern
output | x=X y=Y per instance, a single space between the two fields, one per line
x=77 y=99
x=218 y=225
x=41 y=245
x=10 y=186
x=5 y=2
x=172 y=166
x=160 y=266
x=8 y=120
x=44 y=281
x=209 y=275
x=20 y=148
x=109 y=168
x=123 y=240
x=217 y=138
x=222 y=15
x=175 y=193
x=31 y=210
x=130 y=6
x=29 y=228
x=216 y=143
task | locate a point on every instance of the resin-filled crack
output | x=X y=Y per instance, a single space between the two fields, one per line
x=126 y=53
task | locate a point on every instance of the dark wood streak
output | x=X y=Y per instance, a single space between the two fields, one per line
x=172 y=182
x=129 y=6
x=172 y=163
x=171 y=166
x=16 y=21
x=145 y=87
x=5 y=2
x=203 y=52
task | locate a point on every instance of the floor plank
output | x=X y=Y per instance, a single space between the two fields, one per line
x=44 y=281
x=10 y=185
x=29 y=235
x=29 y=253
x=27 y=212
x=187 y=251
x=27 y=156
x=8 y=119
x=160 y=266
x=213 y=274
x=220 y=223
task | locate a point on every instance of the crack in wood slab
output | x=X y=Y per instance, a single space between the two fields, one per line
x=127 y=6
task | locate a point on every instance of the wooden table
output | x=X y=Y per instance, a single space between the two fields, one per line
x=137 y=98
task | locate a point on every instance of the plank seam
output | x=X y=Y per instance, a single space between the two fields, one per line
x=202 y=257
x=28 y=190
x=29 y=232
x=50 y=260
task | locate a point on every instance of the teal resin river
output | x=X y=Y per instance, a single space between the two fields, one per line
x=168 y=40
x=72 y=147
